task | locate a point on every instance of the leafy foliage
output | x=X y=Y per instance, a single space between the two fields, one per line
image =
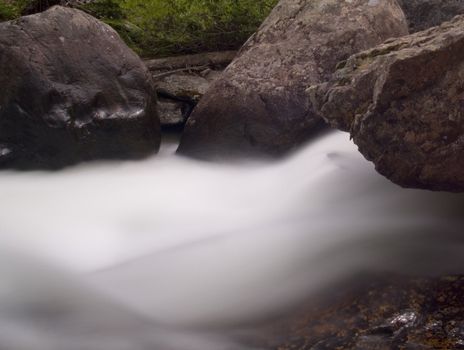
x=156 y=28
x=189 y=26
x=8 y=11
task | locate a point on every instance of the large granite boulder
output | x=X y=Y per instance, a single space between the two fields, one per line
x=259 y=106
x=403 y=104
x=72 y=91
x=424 y=14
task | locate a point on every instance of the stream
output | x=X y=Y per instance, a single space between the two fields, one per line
x=171 y=253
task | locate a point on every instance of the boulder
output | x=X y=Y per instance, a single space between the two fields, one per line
x=258 y=106
x=424 y=14
x=72 y=91
x=403 y=104
x=179 y=93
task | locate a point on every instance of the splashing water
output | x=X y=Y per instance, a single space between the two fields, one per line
x=159 y=254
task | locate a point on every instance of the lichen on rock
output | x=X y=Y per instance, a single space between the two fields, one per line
x=402 y=102
x=258 y=107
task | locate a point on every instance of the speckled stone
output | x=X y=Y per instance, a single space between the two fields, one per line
x=258 y=107
x=403 y=103
x=391 y=313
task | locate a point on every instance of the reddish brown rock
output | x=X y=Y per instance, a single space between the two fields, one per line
x=403 y=104
x=390 y=313
x=259 y=106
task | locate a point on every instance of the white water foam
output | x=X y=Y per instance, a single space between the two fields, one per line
x=172 y=243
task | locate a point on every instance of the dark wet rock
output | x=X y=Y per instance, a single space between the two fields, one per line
x=72 y=91
x=389 y=313
x=258 y=106
x=180 y=92
x=424 y=14
x=182 y=81
x=173 y=113
x=402 y=103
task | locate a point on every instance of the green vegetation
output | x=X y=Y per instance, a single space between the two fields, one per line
x=8 y=11
x=166 y=27
x=11 y=9
x=157 y=28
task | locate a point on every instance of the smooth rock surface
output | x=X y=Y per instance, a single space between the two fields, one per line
x=424 y=14
x=184 y=87
x=259 y=107
x=403 y=104
x=72 y=91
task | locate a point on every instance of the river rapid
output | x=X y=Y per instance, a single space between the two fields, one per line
x=173 y=253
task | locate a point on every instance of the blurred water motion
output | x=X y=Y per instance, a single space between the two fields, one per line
x=171 y=253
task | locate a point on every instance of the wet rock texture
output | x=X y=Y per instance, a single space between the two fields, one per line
x=181 y=82
x=390 y=314
x=258 y=106
x=72 y=91
x=179 y=93
x=403 y=104
x=424 y=14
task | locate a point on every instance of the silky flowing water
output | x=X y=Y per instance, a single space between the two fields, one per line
x=173 y=253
